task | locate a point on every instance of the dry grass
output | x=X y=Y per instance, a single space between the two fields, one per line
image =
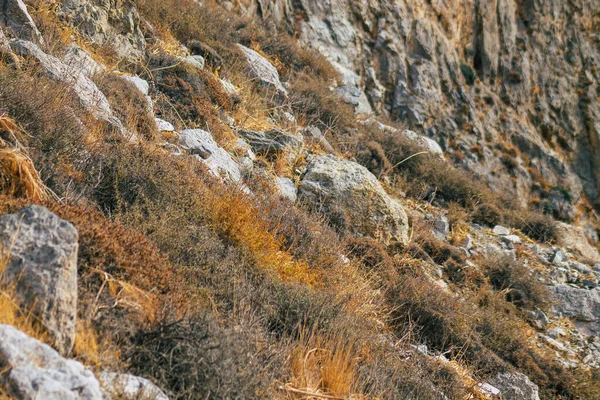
x=322 y=365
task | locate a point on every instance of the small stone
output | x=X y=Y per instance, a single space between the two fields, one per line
x=512 y=239
x=501 y=230
x=589 y=283
x=468 y=242
x=286 y=188
x=584 y=269
x=164 y=126
x=441 y=227
x=197 y=61
x=559 y=258
x=596 y=267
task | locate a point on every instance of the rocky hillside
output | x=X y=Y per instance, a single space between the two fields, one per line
x=299 y=199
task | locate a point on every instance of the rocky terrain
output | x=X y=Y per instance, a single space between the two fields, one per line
x=299 y=199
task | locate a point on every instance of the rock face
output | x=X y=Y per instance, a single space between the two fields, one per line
x=112 y=22
x=17 y=21
x=36 y=371
x=515 y=386
x=130 y=387
x=472 y=74
x=80 y=60
x=353 y=199
x=581 y=305
x=260 y=68
x=91 y=98
x=202 y=145
x=43 y=265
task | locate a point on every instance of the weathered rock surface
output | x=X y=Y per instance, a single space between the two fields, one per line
x=17 y=21
x=261 y=69
x=470 y=75
x=272 y=141
x=202 y=145
x=130 y=387
x=91 y=98
x=515 y=386
x=286 y=188
x=574 y=239
x=80 y=60
x=353 y=199
x=577 y=303
x=43 y=266
x=36 y=371
x=107 y=22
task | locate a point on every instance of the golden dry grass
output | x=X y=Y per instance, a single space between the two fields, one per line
x=322 y=365
x=18 y=176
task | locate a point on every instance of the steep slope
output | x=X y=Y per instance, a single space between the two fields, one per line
x=252 y=219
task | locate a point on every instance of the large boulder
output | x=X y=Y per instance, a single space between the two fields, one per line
x=107 y=22
x=43 y=265
x=17 y=21
x=353 y=199
x=31 y=370
x=581 y=305
x=261 y=69
x=80 y=60
x=90 y=97
x=515 y=386
x=130 y=387
x=201 y=145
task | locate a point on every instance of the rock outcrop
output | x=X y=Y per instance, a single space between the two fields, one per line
x=130 y=387
x=261 y=69
x=201 y=144
x=353 y=199
x=107 y=22
x=90 y=97
x=42 y=251
x=36 y=371
x=581 y=305
x=17 y=21
x=472 y=75
x=515 y=386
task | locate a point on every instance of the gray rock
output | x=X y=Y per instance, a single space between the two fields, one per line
x=511 y=239
x=80 y=60
x=429 y=144
x=130 y=387
x=286 y=188
x=36 y=371
x=501 y=230
x=515 y=386
x=261 y=69
x=584 y=269
x=574 y=239
x=90 y=97
x=272 y=141
x=355 y=97
x=468 y=242
x=196 y=61
x=559 y=258
x=538 y=318
x=43 y=266
x=579 y=304
x=164 y=126
x=441 y=227
x=17 y=21
x=115 y=23
x=201 y=144
x=353 y=199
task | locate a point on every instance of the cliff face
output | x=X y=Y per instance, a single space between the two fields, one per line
x=509 y=89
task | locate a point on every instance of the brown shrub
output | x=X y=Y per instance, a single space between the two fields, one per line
x=128 y=104
x=315 y=104
x=488 y=215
